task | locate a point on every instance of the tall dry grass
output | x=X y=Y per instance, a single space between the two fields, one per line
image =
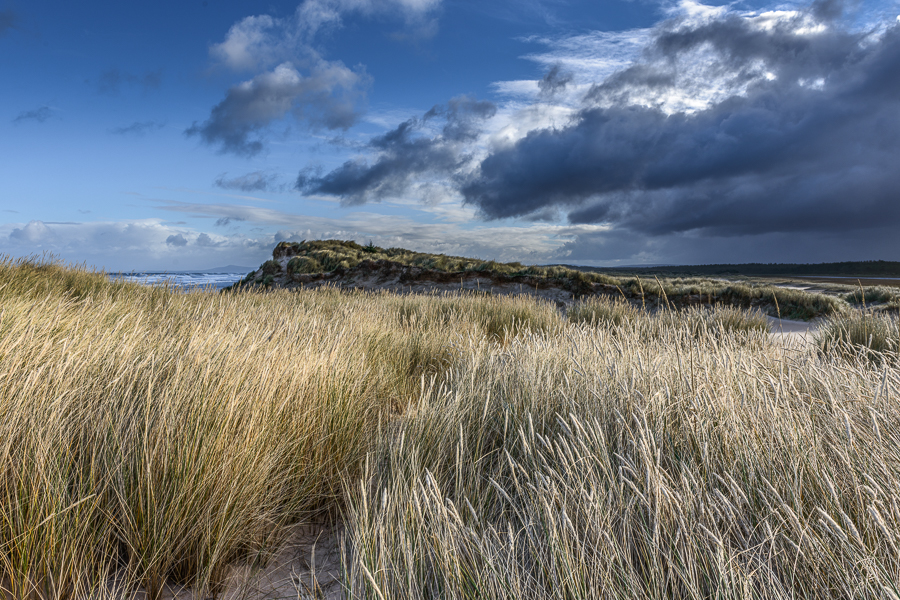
x=602 y=311
x=873 y=336
x=615 y=462
x=474 y=447
x=151 y=437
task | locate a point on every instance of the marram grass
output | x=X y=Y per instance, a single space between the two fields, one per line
x=610 y=463
x=150 y=436
x=473 y=447
x=869 y=334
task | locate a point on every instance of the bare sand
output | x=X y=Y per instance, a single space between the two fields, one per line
x=307 y=567
x=794 y=331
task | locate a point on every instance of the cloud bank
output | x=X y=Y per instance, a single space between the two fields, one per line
x=292 y=77
x=406 y=154
x=797 y=129
x=327 y=95
x=712 y=126
x=142 y=244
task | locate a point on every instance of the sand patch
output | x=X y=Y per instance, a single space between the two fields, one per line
x=788 y=330
x=308 y=567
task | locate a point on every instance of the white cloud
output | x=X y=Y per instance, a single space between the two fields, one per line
x=252 y=43
x=316 y=14
x=696 y=12
x=589 y=58
x=32 y=233
x=798 y=22
x=592 y=56
x=261 y=41
x=699 y=78
x=145 y=244
x=291 y=74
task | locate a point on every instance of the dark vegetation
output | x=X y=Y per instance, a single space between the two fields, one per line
x=885 y=298
x=328 y=255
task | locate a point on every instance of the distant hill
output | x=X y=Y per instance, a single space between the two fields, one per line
x=292 y=259
x=350 y=266
x=868 y=268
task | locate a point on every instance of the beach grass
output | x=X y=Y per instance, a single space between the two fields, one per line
x=872 y=335
x=471 y=446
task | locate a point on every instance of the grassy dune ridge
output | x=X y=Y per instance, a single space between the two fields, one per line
x=292 y=261
x=472 y=446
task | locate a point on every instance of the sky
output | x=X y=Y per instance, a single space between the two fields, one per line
x=199 y=133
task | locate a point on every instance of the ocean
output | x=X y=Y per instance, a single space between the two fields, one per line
x=185 y=281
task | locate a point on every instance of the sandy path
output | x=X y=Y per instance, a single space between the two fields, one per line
x=788 y=330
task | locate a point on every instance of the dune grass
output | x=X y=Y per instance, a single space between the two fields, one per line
x=774 y=300
x=874 y=336
x=874 y=295
x=602 y=311
x=605 y=464
x=162 y=436
x=472 y=446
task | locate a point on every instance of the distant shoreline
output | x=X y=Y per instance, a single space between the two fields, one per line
x=184 y=280
x=865 y=281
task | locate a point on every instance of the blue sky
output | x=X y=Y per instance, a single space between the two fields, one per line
x=193 y=134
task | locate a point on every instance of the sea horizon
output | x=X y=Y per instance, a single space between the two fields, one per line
x=182 y=279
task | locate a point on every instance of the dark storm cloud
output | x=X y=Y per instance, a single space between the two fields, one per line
x=405 y=153
x=464 y=116
x=328 y=96
x=554 y=81
x=623 y=247
x=8 y=20
x=257 y=181
x=39 y=114
x=137 y=128
x=112 y=80
x=811 y=143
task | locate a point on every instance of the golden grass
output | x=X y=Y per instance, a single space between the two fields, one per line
x=167 y=435
x=474 y=447
x=605 y=464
